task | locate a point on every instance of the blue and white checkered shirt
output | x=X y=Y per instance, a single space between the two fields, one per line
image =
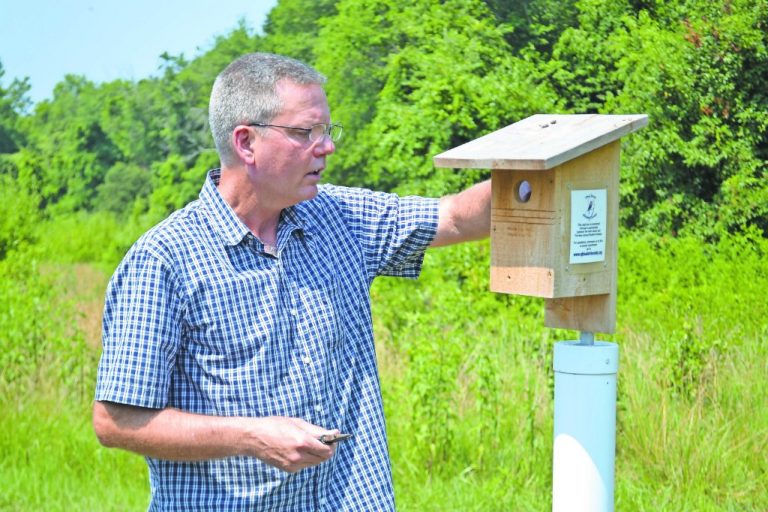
x=199 y=317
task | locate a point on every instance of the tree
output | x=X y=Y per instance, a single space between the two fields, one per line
x=412 y=81
x=534 y=24
x=71 y=144
x=700 y=70
x=123 y=185
x=18 y=215
x=292 y=27
x=13 y=101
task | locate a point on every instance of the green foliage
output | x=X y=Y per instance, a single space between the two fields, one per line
x=70 y=145
x=175 y=183
x=700 y=168
x=433 y=380
x=100 y=239
x=453 y=352
x=692 y=296
x=293 y=26
x=466 y=377
x=35 y=336
x=410 y=81
x=18 y=215
x=122 y=186
x=582 y=68
x=109 y=146
x=50 y=459
x=535 y=24
x=407 y=104
x=13 y=101
x=77 y=237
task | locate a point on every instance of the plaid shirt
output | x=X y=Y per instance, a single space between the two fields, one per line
x=199 y=317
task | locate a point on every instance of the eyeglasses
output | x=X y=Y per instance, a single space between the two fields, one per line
x=313 y=133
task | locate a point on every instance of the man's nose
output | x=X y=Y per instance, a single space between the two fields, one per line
x=325 y=146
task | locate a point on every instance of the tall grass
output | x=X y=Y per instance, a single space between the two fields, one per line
x=50 y=459
x=467 y=384
x=703 y=451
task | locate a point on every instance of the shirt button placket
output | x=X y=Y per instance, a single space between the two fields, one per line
x=320 y=482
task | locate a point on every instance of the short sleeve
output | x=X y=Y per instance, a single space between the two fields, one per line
x=393 y=231
x=141 y=332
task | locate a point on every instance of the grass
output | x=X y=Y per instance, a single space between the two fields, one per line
x=704 y=452
x=673 y=453
x=50 y=459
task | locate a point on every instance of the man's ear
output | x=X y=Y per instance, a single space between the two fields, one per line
x=242 y=140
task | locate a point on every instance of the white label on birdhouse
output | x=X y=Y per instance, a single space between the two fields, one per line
x=588 y=225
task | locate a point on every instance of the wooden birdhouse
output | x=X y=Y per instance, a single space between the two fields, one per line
x=554 y=217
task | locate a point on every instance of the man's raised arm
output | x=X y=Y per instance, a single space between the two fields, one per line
x=464 y=216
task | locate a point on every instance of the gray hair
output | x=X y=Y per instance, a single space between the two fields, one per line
x=246 y=92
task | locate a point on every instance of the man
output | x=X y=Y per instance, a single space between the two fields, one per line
x=238 y=331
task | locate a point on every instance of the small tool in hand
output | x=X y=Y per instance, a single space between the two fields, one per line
x=332 y=438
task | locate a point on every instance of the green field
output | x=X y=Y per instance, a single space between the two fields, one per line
x=467 y=383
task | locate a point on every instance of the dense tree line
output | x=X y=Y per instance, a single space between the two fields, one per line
x=411 y=79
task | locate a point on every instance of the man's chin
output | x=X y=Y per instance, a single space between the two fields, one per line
x=308 y=193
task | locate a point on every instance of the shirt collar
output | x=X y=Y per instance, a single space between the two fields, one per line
x=228 y=225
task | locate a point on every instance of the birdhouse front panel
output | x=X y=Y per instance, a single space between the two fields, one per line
x=553 y=232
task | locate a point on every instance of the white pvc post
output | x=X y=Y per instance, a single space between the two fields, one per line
x=585 y=425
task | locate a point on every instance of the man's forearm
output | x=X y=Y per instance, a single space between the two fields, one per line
x=465 y=216
x=290 y=444
x=168 y=433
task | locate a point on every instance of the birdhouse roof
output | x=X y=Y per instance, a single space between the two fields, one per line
x=541 y=142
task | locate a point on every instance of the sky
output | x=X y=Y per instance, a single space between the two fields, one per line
x=105 y=40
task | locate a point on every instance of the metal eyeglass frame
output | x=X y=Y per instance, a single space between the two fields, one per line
x=331 y=130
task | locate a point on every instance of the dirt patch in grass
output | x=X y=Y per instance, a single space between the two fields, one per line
x=82 y=286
